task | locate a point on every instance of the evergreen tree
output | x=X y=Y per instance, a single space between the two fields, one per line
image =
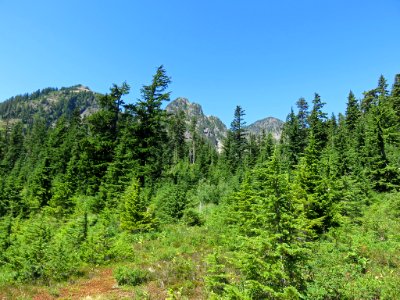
x=352 y=112
x=382 y=87
x=135 y=215
x=253 y=151
x=303 y=113
x=176 y=130
x=150 y=128
x=239 y=133
x=99 y=146
x=384 y=174
x=381 y=131
x=272 y=247
x=292 y=139
x=2 y=148
x=396 y=86
x=308 y=171
x=123 y=167
x=345 y=162
x=111 y=105
x=194 y=138
x=39 y=192
x=302 y=117
x=266 y=148
x=311 y=187
x=395 y=95
x=369 y=100
x=14 y=149
x=317 y=120
x=235 y=142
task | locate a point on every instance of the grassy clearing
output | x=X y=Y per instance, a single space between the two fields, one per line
x=172 y=260
x=357 y=261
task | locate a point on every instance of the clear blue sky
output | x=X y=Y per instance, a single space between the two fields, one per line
x=262 y=55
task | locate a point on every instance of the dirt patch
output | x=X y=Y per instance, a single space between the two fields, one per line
x=101 y=285
x=43 y=296
x=156 y=292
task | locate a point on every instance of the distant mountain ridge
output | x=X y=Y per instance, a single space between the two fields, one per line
x=268 y=125
x=214 y=129
x=211 y=127
x=51 y=103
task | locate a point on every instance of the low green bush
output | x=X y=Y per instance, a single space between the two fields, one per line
x=129 y=276
x=192 y=217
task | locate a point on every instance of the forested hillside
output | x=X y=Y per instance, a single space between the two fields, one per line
x=49 y=104
x=138 y=190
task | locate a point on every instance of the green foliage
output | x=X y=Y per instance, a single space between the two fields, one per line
x=317 y=121
x=192 y=217
x=271 y=246
x=306 y=217
x=129 y=276
x=359 y=261
x=171 y=201
x=235 y=143
x=37 y=251
x=292 y=140
x=176 y=132
x=380 y=134
x=150 y=125
x=353 y=112
x=135 y=215
x=217 y=280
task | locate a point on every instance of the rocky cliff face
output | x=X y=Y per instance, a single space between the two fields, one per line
x=210 y=127
x=268 y=125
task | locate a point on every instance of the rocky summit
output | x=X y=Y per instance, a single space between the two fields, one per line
x=210 y=127
x=267 y=125
x=214 y=129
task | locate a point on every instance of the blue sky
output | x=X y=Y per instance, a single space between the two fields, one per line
x=262 y=55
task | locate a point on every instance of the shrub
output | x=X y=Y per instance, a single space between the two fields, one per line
x=129 y=276
x=192 y=217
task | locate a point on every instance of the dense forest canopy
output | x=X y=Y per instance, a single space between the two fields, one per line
x=312 y=215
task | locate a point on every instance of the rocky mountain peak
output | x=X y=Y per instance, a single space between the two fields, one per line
x=214 y=129
x=210 y=127
x=268 y=125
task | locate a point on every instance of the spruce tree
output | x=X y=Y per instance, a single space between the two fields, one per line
x=150 y=129
x=369 y=100
x=266 y=148
x=317 y=120
x=239 y=132
x=272 y=231
x=135 y=216
x=104 y=132
x=15 y=148
x=235 y=142
x=352 y=112
x=176 y=134
x=112 y=105
x=383 y=173
x=395 y=95
x=292 y=139
x=381 y=135
x=302 y=117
